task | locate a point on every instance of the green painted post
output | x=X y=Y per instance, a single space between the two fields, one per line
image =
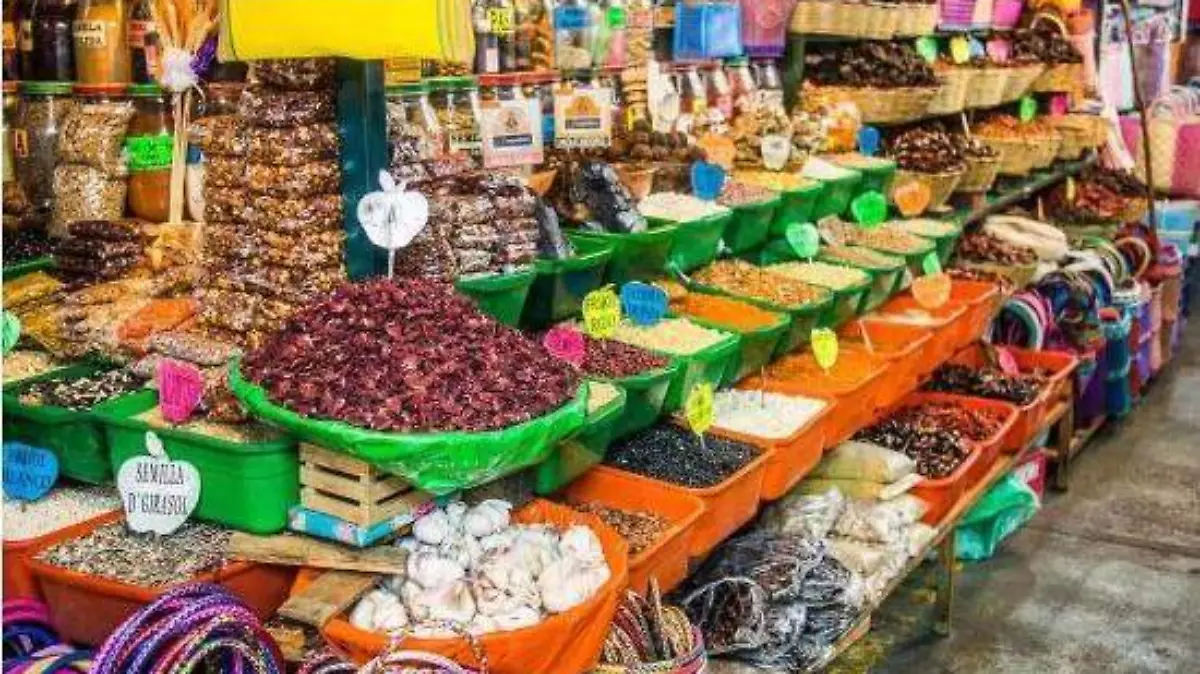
x=362 y=120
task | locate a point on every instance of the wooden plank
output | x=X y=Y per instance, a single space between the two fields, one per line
x=351 y=512
x=399 y=504
x=294 y=550
x=327 y=596
x=364 y=491
x=339 y=462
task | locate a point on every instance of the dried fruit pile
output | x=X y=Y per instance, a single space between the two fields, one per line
x=98 y=250
x=975 y=425
x=987 y=382
x=408 y=356
x=742 y=278
x=26 y=244
x=926 y=149
x=1044 y=42
x=641 y=528
x=984 y=247
x=972 y=148
x=937 y=452
x=870 y=64
x=676 y=455
x=83 y=393
x=613 y=359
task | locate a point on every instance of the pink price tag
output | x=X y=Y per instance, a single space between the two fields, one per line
x=1059 y=105
x=566 y=344
x=180 y=388
x=1007 y=362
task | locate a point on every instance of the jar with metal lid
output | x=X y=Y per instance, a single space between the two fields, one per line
x=719 y=91
x=102 y=42
x=35 y=128
x=150 y=148
x=455 y=113
x=145 y=49
x=53 y=45
x=413 y=130
x=770 y=86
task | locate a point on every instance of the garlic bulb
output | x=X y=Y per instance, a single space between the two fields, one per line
x=487 y=518
x=433 y=528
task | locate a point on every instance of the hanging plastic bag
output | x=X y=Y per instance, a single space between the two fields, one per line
x=708 y=30
x=1005 y=508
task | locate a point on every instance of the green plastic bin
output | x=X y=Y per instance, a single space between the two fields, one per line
x=706 y=365
x=696 y=242
x=913 y=260
x=838 y=194
x=756 y=348
x=20 y=269
x=76 y=438
x=796 y=206
x=750 y=225
x=501 y=296
x=885 y=281
x=248 y=486
x=944 y=243
x=635 y=257
x=645 y=398
x=877 y=177
x=575 y=455
x=560 y=285
x=802 y=319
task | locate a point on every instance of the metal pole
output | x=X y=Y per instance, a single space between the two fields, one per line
x=1139 y=101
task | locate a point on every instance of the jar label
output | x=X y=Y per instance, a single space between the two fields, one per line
x=512 y=133
x=500 y=20
x=25 y=35
x=91 y=34
x=149 y=153
x=583 y=118
x=10 y=35
x=139 y=31
x=616 y=17
x=20 y=141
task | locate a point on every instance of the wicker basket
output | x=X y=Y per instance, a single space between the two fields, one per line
x=1060 y=77
x=815 y=17
x=986 y=88
x=1020 y=275
x=1044 y=149
x=1075 y=140
x=953 y=95
x=695 y=661
x=1020 y=79
x=875 y=21
x=1016 y=156
x=941 y=185
x=877 y=106
x=980 y=175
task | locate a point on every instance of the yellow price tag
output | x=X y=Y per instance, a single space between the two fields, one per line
x=699 y=408
x=825 y=347
x=601 y=313
x=960 y=50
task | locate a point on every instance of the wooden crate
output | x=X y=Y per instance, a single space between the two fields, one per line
x=353 y=490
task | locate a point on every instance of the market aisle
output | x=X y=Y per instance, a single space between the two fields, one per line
x=1105 y=579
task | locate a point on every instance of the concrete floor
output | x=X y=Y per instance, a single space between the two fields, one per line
x=1105 y=579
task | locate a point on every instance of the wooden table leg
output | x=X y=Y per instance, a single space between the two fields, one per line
x=1063 y=447
x=945 y=585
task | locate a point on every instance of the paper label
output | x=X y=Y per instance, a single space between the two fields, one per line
x=20 y=143
x=180 y=389
x=1007 y=362
x=928 y=49
x=825 y=347
x=500 y=20
x=869 y=209
x=10 y=35
x=868 y=140
x=567 y=344
x=11 y=331
x=645 y=304
x=1027 y=109
x=25 y=35
x=138 y=32
x=150 y=153
x=601 y=313
x=571 y=18
x=912 y=198
x=90 y=34
x=698 y=408
x=29 y=472
x=960 y=49
x=158 y=494
x=393 y=217
x=804 y=239
x=664 y=17
x=583 y=119
x=776 y=150
x=512 y=133
x=932 y=290
x=1059 y=105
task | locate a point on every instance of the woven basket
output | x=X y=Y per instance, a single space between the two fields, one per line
x=692 y=663
x=877 y=106
x=1020 y=79
x=986 y=88
x=1075 y=140
x=953 y=95
x=1016 y=157
x=941 y=185
x=815 y=17
x=1020 y=275
x=1044 y=149
x=1060 y=77
x=980 y=175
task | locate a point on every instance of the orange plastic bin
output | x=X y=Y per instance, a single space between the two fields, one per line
x=86 y=609
x=18 y=579
x=941 y=494
x=667 y=559
x=989 y=448
x=901 y=345
x=983 y=302
x=946 y=323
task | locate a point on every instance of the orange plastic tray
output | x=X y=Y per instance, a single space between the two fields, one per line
x=902 y=345
x=18 y=579
x=86 y=609
x=949 y=330
x=989 y=448
x=855 y=406
x=1031 y=416
x=940 y=495
x=983 y=302
x=791 y=458
x=667 y=559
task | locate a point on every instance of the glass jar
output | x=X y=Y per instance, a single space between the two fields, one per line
x=150 y=148
x=10 y=111
x=456 y=116
x=35 y=129
x=719 y=91
x=12 y=56
x=741 y=82
x=144 y=48
x=495 y=36
x=102 y=42
x=534 y=35
x=53 y=45
x=413 y=130
x=24 y=20
x=573 y=30
x=664 y=30
x=770 y=86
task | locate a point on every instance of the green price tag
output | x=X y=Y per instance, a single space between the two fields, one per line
x=804 y=239
x=1027 y=109
x=12 y=331
x=930 y=264
x=150 y=153
x=869 y=209
x=698 y=408
x=927 y=47
x=601 y=313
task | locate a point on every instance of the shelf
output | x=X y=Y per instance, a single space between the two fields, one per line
x=1023 y=188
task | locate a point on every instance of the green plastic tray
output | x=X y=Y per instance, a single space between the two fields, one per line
x=802 y=319
x=845 y=305
x=876 y=178
x=645 y=398
x=944 y=244
x=575 y=455
x=560 y=286
x=501 y=296
x=756 y=348
x=838 y=194
x=696 y=242
x=245 y=486
x=76 y=438
x=885 y=281
x=750 y=225
x=20 y=269
x=635 y=257
x=913 y=260
x=706 y=365
x=796 y=206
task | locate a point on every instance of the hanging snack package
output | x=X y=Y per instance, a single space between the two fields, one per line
x=295 y=74
x=85 y=193
x=295 y=146
x=284 y=109
x=222 y=135
x=306 y=180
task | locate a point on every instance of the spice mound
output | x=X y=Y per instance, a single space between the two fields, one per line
x=61 y=508
x=677 y=336
x=408 y=356
x=822 y=274
x=678 y=207
x=614 y=360
x=742 y=278
x=600 y=395
x=641 y=528
x=725 y=312
x=854 y=366
x=987 y=382
x=82 y=393
x=23 y=364
x=764 y=415
x=857 y=256
x=115 y=553
x=672 y=454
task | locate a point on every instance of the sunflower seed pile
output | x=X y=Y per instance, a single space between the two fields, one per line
x=145 y=560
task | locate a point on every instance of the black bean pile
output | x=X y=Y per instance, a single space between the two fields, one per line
x=83 y=393
x=673 y=454
x=870 y=64
x=937 y=452
x=987 y=382
x=26 y=244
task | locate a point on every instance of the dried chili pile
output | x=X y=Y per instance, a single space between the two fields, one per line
x=976 y=425
x=614 y=360
x=408 y=356
x=640 y=527
x=937 y=436
x=987 y=382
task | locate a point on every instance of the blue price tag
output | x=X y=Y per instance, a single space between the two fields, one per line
x=707 y=180
x=868 y=140
x=643 y=303
x=29 y=472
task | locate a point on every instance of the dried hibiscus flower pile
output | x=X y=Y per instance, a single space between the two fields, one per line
x=409 y=356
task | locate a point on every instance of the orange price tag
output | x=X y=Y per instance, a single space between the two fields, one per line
x=912 y=198
x=932 y=290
